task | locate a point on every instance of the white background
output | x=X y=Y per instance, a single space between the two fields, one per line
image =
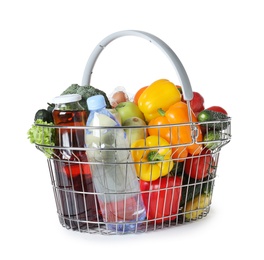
x=44 y=47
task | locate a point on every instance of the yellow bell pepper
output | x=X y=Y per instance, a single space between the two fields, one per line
x=152 y=162
x=160 y=94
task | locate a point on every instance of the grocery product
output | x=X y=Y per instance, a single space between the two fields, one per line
x=114 y=178
x=71 y=171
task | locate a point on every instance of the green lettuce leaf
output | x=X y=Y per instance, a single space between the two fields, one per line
x=42 y=135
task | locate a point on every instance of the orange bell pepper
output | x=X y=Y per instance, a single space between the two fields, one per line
x=179 y=135
x=138 y=94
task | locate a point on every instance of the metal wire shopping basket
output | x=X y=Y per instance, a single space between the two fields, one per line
x=175 y=199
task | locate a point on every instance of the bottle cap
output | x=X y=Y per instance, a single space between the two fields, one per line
x=66 y=98
x=96 y=102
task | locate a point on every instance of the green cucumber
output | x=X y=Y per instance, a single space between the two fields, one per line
x=209 y=115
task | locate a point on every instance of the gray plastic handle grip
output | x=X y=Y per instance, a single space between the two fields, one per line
x=183 y=77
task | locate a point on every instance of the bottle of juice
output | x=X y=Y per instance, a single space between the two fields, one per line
x=77 y=203
x=113 y=172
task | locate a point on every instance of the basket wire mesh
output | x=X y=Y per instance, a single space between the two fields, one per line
x=77 y=203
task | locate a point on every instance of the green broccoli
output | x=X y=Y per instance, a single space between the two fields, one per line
x=86 y=92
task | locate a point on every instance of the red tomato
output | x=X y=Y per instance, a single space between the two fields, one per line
x=199 y=166
x=162 y=198
x=217 y=109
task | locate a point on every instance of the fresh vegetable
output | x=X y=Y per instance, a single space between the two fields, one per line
x=162 y=198
x=197 y=103
x=209 y=115
x=138 y=94
x=44 y=115
x=212 y=138
x=180 y=89
x=195 y=208
x=192 y=187
x=177 y=169
x=50 y=107
x=217 y=109
x=160 y=94
x=154 y=161
x=40 y=134
x=85 y=92
x=199 y=166
x=177 y=135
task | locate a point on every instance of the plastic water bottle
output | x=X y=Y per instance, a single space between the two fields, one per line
x=113 y=172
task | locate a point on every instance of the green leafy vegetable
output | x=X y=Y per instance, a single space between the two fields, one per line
x=40 y=135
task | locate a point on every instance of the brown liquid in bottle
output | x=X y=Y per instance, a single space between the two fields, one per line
x=77 y=203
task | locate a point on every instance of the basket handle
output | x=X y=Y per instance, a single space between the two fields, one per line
x=183 y=77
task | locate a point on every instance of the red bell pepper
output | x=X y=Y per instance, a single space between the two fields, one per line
x=197 y=103
x=199 y=166
x=162 y=198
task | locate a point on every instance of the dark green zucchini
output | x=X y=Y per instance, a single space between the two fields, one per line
x=191 y=188
x=209 y=116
